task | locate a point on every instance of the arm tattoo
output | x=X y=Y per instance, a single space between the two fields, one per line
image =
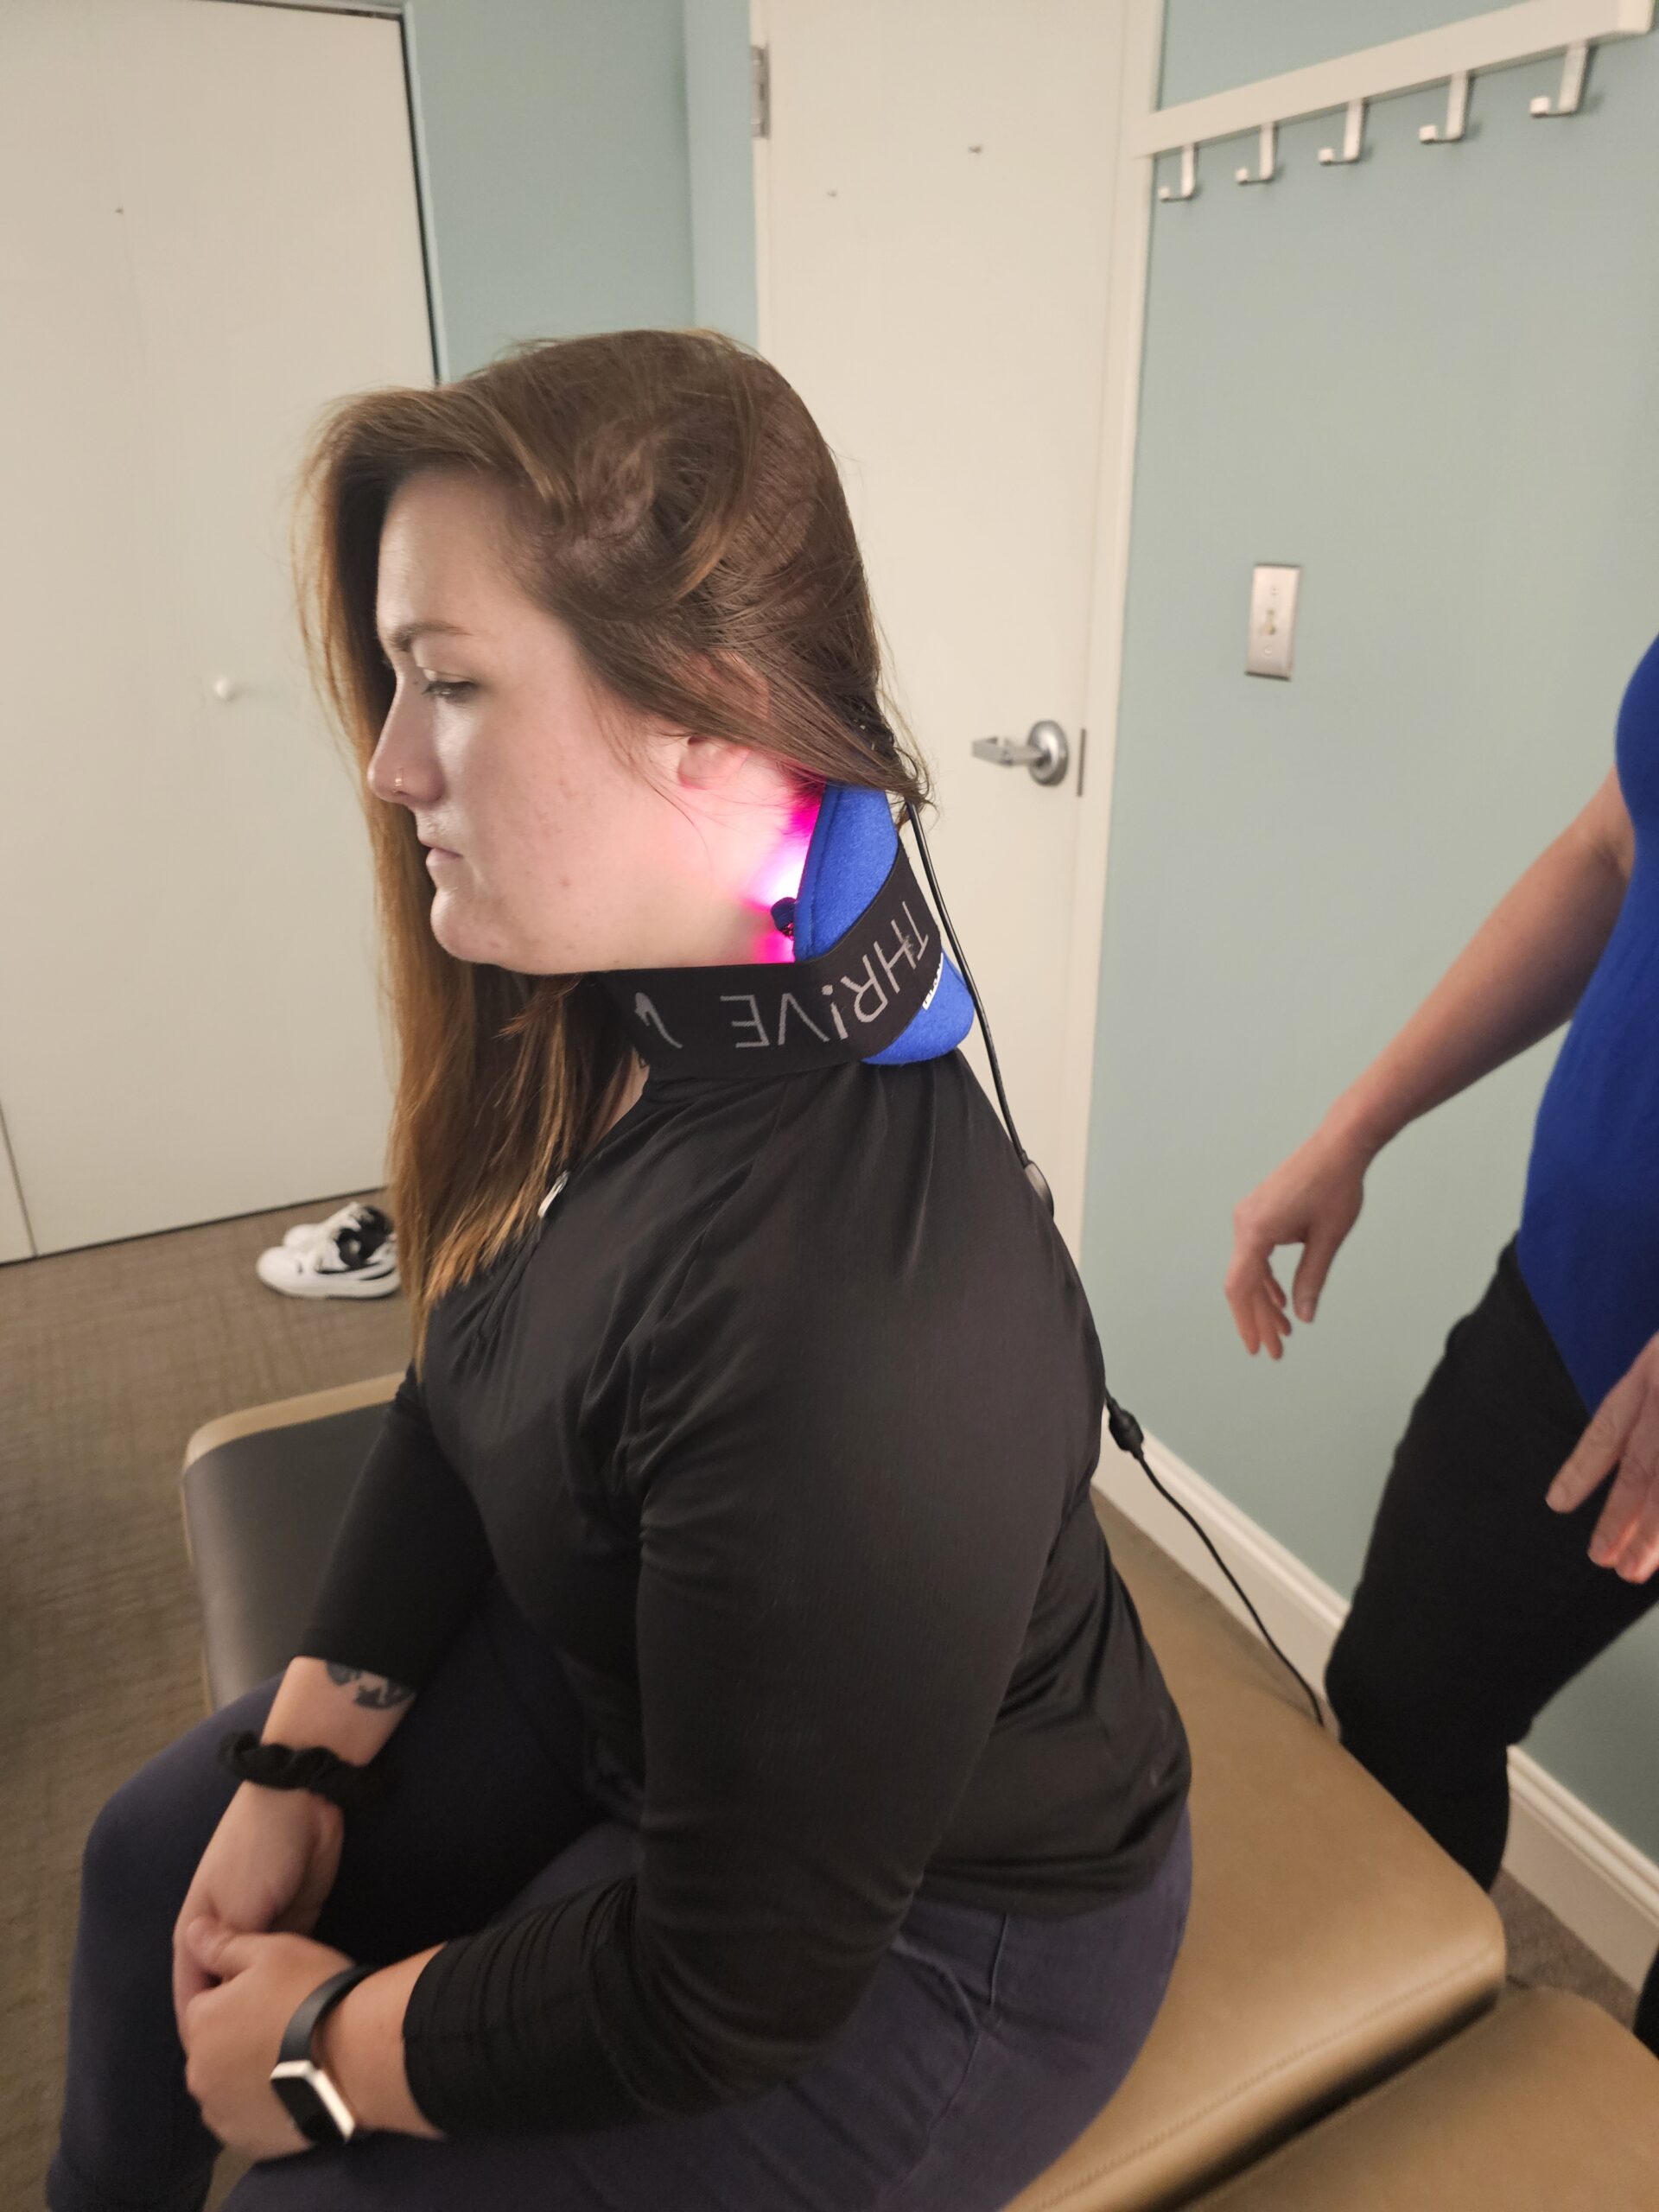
x=377 y=1690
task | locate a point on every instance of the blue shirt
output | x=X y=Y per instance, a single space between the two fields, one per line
x=1589 y=1241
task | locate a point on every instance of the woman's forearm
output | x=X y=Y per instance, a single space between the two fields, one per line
x=352 y=1711
x=361 y=2043
x=1518 y=978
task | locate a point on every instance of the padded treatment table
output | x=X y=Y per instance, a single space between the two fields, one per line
x=1330 y=1939
x=262 y=1493
x=1544 y=2105
x=1330 y=1943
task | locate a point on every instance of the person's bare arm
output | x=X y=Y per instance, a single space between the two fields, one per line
x=271 y=1861
x=351 y=1712
x=1519 y=979
x=361 y=2043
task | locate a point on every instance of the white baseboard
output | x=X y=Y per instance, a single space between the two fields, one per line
x=1601 y=1886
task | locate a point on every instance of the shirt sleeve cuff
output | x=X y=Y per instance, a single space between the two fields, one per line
x=497 y=2033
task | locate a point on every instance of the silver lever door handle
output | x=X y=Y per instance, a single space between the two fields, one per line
x=1043 y=751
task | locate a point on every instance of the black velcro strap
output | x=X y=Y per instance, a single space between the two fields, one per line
x=784 y=1017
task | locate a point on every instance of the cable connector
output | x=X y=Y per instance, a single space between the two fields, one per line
x=1127 y=1432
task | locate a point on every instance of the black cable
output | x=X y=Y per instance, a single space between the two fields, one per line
x=1026 y=1160
x=1129 y=1436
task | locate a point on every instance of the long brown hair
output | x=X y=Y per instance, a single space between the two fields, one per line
x=671 y=501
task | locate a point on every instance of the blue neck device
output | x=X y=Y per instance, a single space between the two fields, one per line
x=870 y=980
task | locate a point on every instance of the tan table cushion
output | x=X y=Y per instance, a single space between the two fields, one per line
x=263 y=1492
x=1546 y=2105
x=285 y=1413
x=1330 y=1939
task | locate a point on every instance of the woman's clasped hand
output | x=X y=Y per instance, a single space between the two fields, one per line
x=233 y=2031
x=242 y=1961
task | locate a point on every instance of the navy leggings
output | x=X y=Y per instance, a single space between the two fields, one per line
x=984 y=2044
x=1477 y=1601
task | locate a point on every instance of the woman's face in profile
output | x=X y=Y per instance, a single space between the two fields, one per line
x=566 y=854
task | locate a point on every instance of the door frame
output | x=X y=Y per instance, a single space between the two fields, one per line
x=1133 y=205
x=1130 y=239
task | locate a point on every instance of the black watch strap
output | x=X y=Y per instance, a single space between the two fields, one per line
x=308 y=2092
x=313 y=1767
x=297 y=2036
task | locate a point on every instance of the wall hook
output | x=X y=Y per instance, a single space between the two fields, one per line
x=1571 y=93
x=1189 y=176
x=1266 y=171
x=1352 y=137
x=1456 y=116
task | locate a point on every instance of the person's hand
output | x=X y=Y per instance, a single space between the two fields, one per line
x=232 y=2033
x=269 y=1866
x=1625 y=1430
x=1312 y=1199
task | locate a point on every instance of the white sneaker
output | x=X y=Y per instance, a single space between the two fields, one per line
x=352 y=1254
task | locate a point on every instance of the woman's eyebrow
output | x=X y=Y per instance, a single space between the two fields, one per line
x=401 y=639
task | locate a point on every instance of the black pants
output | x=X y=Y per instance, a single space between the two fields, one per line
x=1477 y=1600
x=986 y=2043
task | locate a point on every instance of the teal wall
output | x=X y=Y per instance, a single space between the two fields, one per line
x=721 y=165
x=1209 y=45
x=1433 y=380
x=583 y=167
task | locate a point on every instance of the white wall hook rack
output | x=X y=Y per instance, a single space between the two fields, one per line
x=1450 y=55
x=1457 y=115
x=1572 y=92
x=1189 y=183
x=1265 y=168
x=1353 y=135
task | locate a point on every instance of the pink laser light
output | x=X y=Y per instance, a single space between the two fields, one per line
x=779 y=877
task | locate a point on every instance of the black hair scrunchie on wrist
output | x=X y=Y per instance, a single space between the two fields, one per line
x=281 y=1766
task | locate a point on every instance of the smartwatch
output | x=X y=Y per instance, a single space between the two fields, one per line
x=308 y=2092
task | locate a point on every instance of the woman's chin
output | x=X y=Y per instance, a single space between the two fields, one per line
x=465 y=936
x=460 y=935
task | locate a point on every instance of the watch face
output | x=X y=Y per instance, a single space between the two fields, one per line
x=313 y=2102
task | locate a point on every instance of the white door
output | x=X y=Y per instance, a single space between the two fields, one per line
x=935 y=235
x=211 y=229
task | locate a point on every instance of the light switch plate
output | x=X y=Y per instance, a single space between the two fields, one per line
x=1273 y=622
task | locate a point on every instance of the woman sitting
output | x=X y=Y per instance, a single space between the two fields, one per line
x=722 y=1770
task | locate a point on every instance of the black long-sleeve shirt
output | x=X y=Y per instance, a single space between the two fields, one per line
x=780 y=1426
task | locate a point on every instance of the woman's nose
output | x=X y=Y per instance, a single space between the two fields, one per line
x=384 y=781
x=394 y=773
